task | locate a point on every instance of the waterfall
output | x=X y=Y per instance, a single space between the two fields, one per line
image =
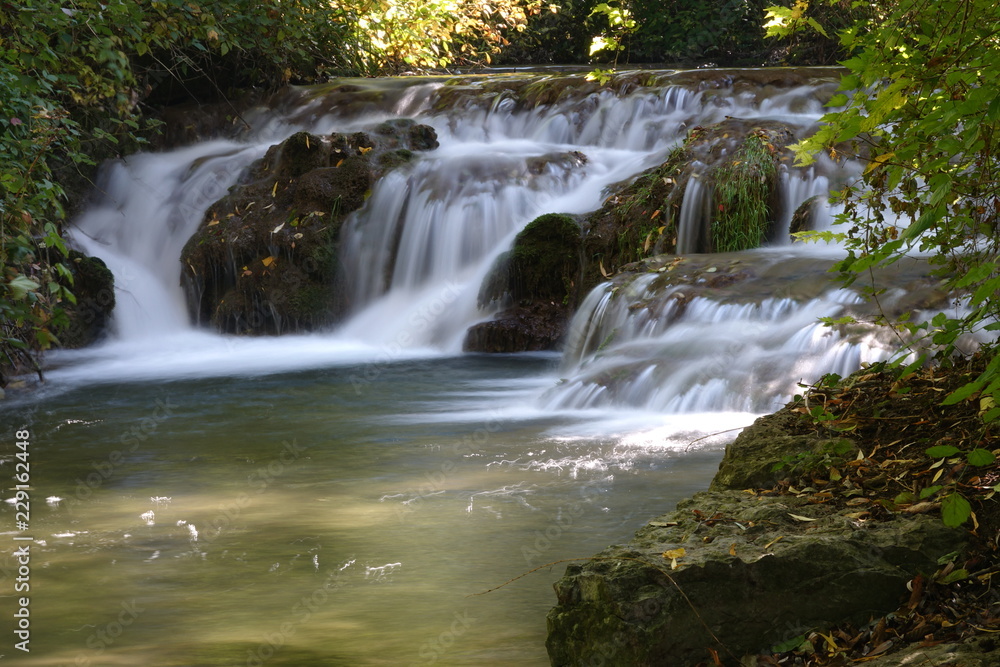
x=512 y=147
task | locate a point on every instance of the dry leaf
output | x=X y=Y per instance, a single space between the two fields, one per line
x=732 y=549
x=267 y=261
x=278 y=228
x=801 y=518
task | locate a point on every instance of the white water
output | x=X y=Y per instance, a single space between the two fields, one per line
x=424 y=476
x=499 y=166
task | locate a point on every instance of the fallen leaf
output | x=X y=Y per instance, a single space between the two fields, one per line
x=732 y=549
x=278 y=228
x=801 y=518
x=267 y=261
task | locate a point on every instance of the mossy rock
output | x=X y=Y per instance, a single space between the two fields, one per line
x=804 y=217
x=750 y=460
x=265 y=260
x=750 y=575
x=94 y=288
x=538 y=282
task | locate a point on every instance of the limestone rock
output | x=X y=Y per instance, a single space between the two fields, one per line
x=751 y=575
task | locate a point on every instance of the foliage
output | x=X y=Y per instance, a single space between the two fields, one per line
x=426 y=34
x=684 y=30
x=921 y=111
x=743 y=192
x=75 y=77
x=807 y=32
x=621 y=24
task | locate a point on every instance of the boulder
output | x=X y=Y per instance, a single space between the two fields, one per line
x=94 y=288
x=733 y=572
x=265 y=260
x=538 y=282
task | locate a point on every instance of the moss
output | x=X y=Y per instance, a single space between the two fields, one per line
x=544 y=261
x=744 y=189
x=94 y=288
x=266 y=259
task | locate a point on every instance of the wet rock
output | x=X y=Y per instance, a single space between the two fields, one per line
x=94 y=289
x=751 y=571
x=265 y=258
x=803 y=220
x=538 y=282
x=530 y=328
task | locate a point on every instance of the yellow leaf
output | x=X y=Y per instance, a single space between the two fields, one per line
x=800 y=518
x=267 y=261
x=649 y=242
x=274 y=190
x=307 y=142
x=675 y=553
x=338 y=164
x=777 y=539
x=600 y=265
x=364 y=150
x=732 y=549
x=213 y=221
x=879 y=160
x=986 y=403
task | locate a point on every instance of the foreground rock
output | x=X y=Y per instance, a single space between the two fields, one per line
x=733 y=572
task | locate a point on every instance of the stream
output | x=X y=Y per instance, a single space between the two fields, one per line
x=343 y=497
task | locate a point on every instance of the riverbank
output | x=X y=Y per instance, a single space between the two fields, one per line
x=820 y=542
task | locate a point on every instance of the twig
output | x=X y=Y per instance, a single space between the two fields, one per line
x=711 y=435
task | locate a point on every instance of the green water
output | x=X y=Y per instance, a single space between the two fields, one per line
x=313 y=518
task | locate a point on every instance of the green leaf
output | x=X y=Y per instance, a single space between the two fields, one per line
x=981 y=457
x=942 y=451
x=955 y=510
x=963 y=392
x=20 y=287
x=929 y=491
x=955 y=575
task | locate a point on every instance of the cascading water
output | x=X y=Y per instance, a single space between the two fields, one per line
x=335 y=498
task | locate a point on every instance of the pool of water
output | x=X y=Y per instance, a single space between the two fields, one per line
x=347 y=515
